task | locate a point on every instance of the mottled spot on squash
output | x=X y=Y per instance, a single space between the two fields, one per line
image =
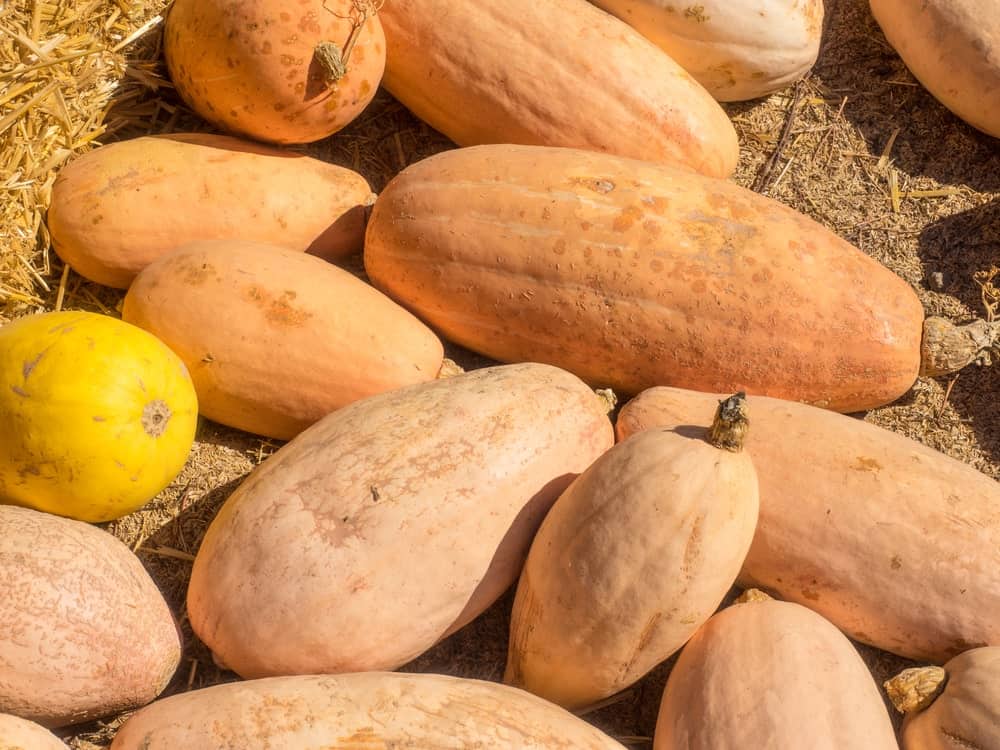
x=287 y=60
x=30 y=365
x=696 y=13
x=585 y=225
x=810 y=595
x=655 y=265
x=651 y=227
x=266 y=48
x=364 y=88
x=97 y=219
x=657 y=203
x=358 y=54
x=19 y=391
x=309 y=24
x=867 y=464
x=559 y=248
x=626 y=218
x=285 y=16
x=895 y=563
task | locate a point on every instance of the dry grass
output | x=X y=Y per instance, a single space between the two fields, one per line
x=858 y=146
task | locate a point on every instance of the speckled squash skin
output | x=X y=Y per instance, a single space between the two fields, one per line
x=953 y=48
x=966 y=715
x=292 y=337
x=633 y=557
x=775 y=675
x=84 y=632
x=631 y=275
x=370 y=710
x=736 y=49
x=118 y=208
x=390 y=523
x=21 y=734
x=250 y=67
x=854 y=519
x=553 y=73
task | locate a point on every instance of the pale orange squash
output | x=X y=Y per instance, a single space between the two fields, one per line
x=633 y=557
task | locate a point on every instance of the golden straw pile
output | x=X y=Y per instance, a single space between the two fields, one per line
x=63 y=66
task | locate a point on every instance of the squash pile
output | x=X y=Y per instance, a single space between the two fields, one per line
x=582 y=235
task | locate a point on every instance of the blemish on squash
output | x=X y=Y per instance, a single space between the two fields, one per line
x=19 y=391
x=559 y=248
x=98 y=418
x=626 y=218
x=285 y=16
x=29 y=366
x=265 y=48
x=365 y=87
x=585 y=225
x=651 y=227
x=658 y=203
x=366 y=736
x=810 y=595
x=656 y=265
x=867 y=464
x=696 y=13
x=896 y=563
x=287 y=60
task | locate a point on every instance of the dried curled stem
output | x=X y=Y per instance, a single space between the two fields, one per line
x=729 y=428
x=330 y=56
x=915 y=689
x=947 y=348
x=608 y=399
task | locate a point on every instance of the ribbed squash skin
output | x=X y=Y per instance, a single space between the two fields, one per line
x=84 y=632
x=634 y=556
x=370 y=710
x=250 y=67
x=953 y=48
x=770 y=674
x=21 y=734
x=896 y=544
x=390 y=523
x=553 y=73
x=118 y=208
x=633 y=275
x=736 y=49
x=276 y=339
x=966 y=715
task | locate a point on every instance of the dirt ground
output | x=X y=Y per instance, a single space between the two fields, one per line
x=858 y=145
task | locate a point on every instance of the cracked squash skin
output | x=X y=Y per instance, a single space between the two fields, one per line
x=895 y=543
x=631 y=275
x=98 y=415
x=367 y=710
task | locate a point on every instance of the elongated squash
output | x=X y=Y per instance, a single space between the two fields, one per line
x=736 y=49
x=368 y=710
x=391 y=523
x=84 y=632
x=954 y=708
x=554 y=73
x=276 y=339
x=116 y=209
x=896 y=544
x=634 y=556
x=770 y=674
x=633 y=275
x=953 y=48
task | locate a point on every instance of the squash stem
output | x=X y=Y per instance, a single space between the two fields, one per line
x=331 y=57
x=915 y=689
x=729 y=428
x=947 y=348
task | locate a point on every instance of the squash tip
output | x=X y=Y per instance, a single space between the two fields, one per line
x=730 y=425
x=916 y=688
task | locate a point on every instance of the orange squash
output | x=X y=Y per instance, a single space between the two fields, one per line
x=553 y=73
x=275 y=339
x=854 y=519
x=631 y=275
x=770 y=674
x=272 y=70
x=951 y=47
x=633 y=557
x=118 y=208
x=954 y=708
x=390 y=523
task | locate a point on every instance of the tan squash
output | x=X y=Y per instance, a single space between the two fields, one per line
x=391 y=523
x=896 y=544
x=553 y=73
x=775 y=675
x=954 y=708
x=273 y=70
x=736 y=49
x=633 y=557
x=368 y=710
x=632 y=275
x=276 y=339
x=118 y=208
x=84 y=632
x=953 y=48
x=21 y=734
